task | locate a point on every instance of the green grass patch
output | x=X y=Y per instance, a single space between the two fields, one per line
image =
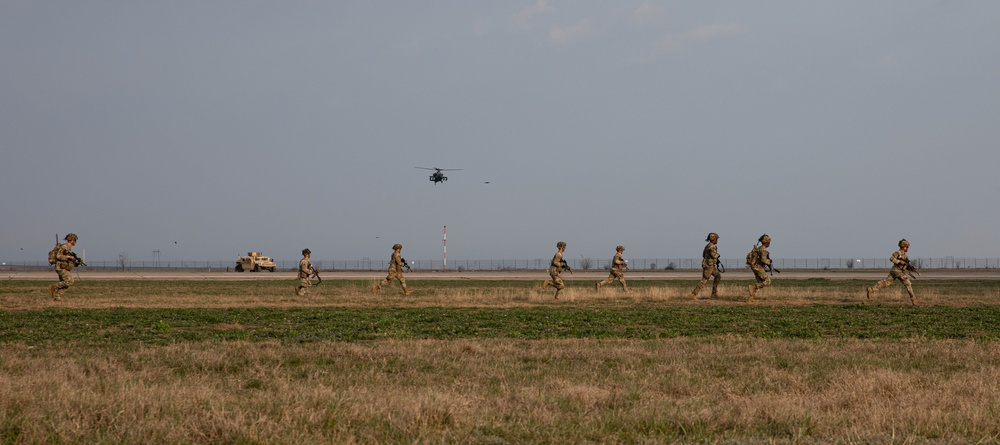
x=162 y=326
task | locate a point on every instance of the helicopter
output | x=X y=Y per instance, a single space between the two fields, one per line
x=437 y=176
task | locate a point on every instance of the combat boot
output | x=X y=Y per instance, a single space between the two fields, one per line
x=52 y=290
x=407 y=292
x=870 y=292
x=694 y=296
x=375 y=290
x=753 y=292
x=545 y=285
x=914 y=301
x=297 y=290
x=715 y=295
x=597 y=285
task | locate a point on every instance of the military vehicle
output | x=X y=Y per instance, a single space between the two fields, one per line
x=254 y=262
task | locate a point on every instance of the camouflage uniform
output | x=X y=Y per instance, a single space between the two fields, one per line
x=65 y=262
x=898 y=272
x=305 y=271
x=396 y=265
x=617 y=272
x=759 y=267
x=555 y=270
x=710 y=257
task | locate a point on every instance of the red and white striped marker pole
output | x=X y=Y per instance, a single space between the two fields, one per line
x=445 y=247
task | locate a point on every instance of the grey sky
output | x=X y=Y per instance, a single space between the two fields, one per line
x=228 y=126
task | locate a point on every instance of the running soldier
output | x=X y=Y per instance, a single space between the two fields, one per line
x=709 y=267
x=65 y=260
x=618 y=266
x=396 y=265
x=555 y=270
x=900 y=266
x=306 y=270
x=759 y=261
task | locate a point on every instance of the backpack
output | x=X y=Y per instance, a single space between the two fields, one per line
x=53 y=253
x=753 y=257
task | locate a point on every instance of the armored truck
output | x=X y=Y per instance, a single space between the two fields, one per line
x=254 y=262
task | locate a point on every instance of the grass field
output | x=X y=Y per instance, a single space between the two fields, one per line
x=472 y=361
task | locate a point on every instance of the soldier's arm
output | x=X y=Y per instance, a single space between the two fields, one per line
x=896 y=260
x=765 y=257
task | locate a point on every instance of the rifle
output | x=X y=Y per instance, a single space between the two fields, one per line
x=769 y=267
x=719 y=266
x=76 y=259
x=406 y=264
x=565 y=266
x=910 y=269
x=315 y=273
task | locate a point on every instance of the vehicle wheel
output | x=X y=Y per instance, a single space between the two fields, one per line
x=256 y=267
x=239 y=268
x=272 y=269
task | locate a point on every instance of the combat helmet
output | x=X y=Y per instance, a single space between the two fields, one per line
x=710 y=235
x=764 y=239
x=620 y=248
x=70 y=237
x=306 y=252
x=397 y=246
x=903 y=243
x=560 y=245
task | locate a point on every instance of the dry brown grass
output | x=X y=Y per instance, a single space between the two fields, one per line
x=505 y=391
x=30 y=295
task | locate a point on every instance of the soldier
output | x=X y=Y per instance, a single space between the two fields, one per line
x=396 y=265
x=617 y=270
x=65 y=260
x=759 y=261
x=306 y=270
x=555 y=270
x=900 y=264
x=709 y=269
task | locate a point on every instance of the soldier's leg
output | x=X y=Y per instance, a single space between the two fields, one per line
x=402 y=282
x=557 y=282
x=65 y=281
x=763 y=279
x=717 y=277
x=621 y=279
x=909 y=288
x=611 y=277
x=705 y=274
x=884 y=282
x=303 y=285
x=384 y=283
x=552 y=281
